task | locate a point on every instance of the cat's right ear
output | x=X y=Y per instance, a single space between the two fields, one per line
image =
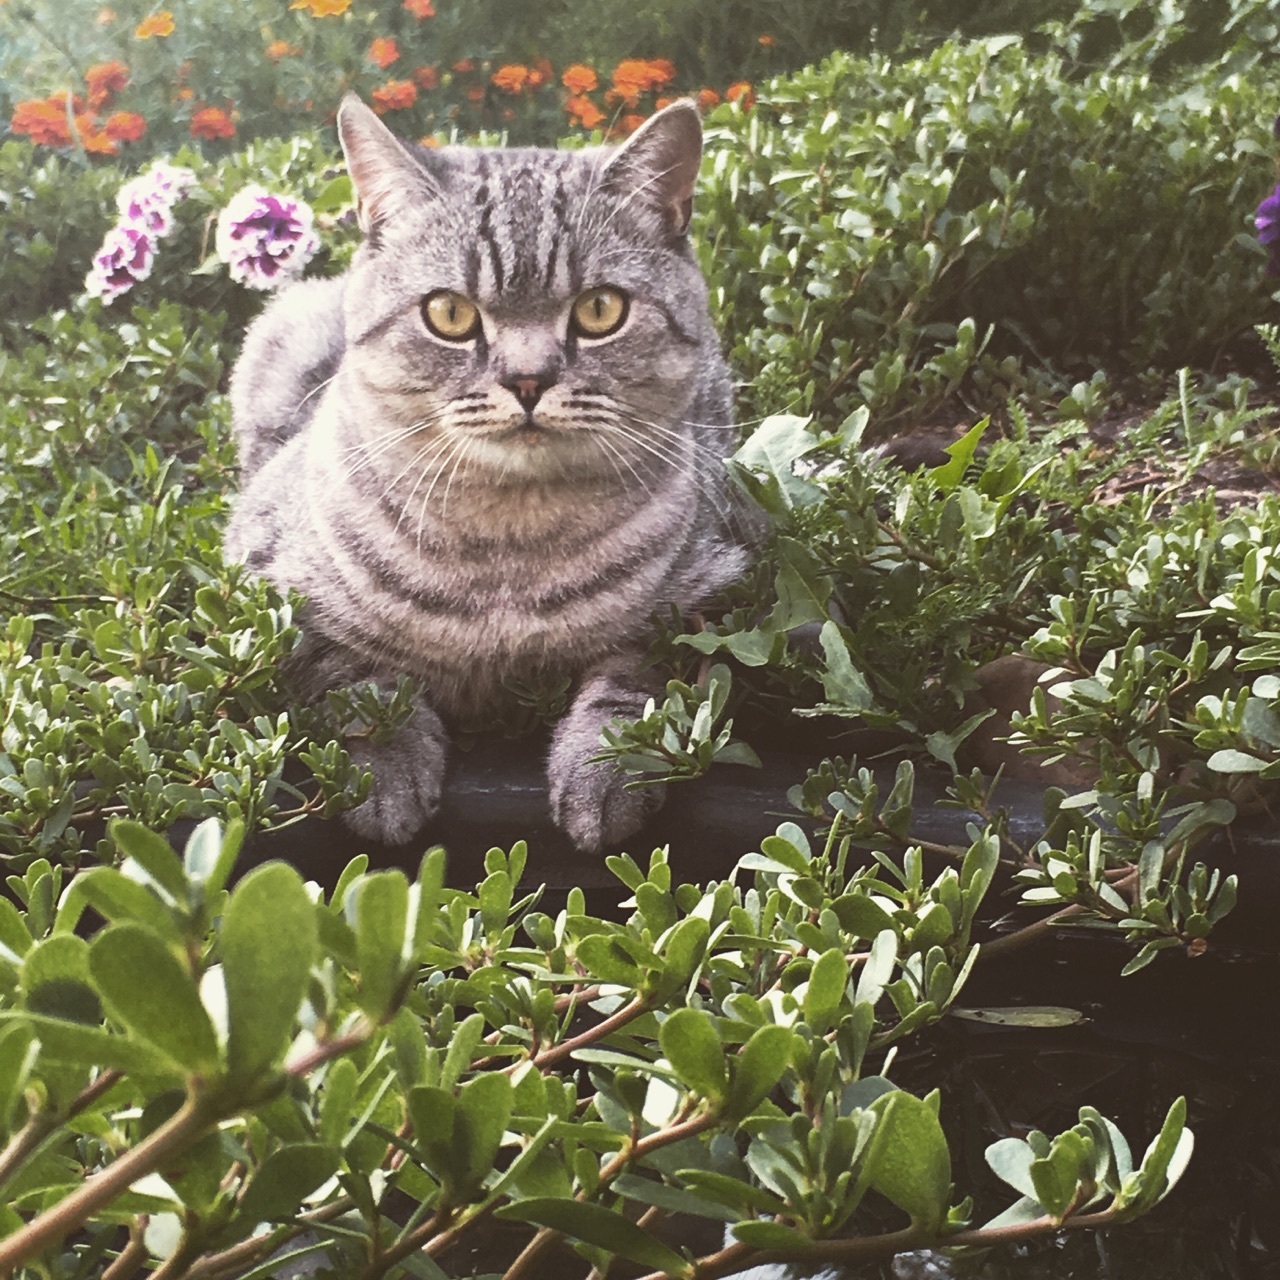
x=385 y=174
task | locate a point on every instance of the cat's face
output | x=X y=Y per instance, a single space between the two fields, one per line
x=536 y=311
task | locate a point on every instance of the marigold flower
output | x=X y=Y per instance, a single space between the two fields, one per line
x=278 y=49
x=511 y=78
x=395 y=95
x=265 y=239
x=426 y=78
x=105 y=80
x=740 y=92
x=43 y=121
x=584 y=111
x=634 y=76
x=429 y=141
x=708 y=98
x=383 y=51
x=93 y=138
x=767 y=40
x=127 y=256
x=420 y=8
x=211 y=123
x=158 y=24
x=124 y=126
x=322 y=8
x=465 y=67
x=629 y=123
x=1267 y=223
x=579 y=79
x=540 y=72
x=475 y=93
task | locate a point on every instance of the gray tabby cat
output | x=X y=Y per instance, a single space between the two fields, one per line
x=493 y=448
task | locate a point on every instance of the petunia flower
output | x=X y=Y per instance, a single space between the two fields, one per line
x=147 y=201
x=1267 y=222
x=266 y=240
x=127 y=255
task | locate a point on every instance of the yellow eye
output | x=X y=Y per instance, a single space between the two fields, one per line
x=599 y=312
x=451 y=316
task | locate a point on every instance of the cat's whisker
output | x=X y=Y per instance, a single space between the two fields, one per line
x=367 y=452
x=432 y=449
x=315 y=391
x=463 y=460
x=458 y=443
x=616 y=456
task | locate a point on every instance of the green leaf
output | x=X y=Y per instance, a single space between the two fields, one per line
x=483 y=1109
x=153 y=854
x=772 y=1236
x=287 y=1176
x=673 y=1199
x=381 y=917
x=827 y=982
x=843 y=685
x=949 y=475
x=268 y=942
x=210 y=854
x=594 y=1224
x=81 y=1045
x=692 y=1045
x=145 y=987
x=114 y=896
x=732 y=1192
x=607 y=960
x=908 y=1162
x=758 y=1066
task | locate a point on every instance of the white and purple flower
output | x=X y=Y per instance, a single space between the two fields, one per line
x=266 y=240
x=147 y=201
x=1267 y=223
x=127 y=256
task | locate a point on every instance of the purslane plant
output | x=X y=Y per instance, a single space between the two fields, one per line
x=721 y=1053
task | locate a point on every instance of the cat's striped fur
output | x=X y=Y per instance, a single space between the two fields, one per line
x=508 y=505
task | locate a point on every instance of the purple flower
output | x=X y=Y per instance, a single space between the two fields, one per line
x=266 y=240
x=1267 y=222
x=127 y=256
x=147 y=201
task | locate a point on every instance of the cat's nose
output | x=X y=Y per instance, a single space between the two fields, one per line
x=528 y=387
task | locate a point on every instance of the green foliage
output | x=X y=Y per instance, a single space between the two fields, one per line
x=455 y=1052
x=981 y=220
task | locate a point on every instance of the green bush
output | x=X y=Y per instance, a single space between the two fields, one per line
x=430 y=1042
x=889 y=234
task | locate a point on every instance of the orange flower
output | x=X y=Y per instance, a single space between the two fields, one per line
x=185 y=94
x=540 y=72
x=395 y=95
x=511 y=78
x=584 y=111
x=278 y=49
x=322 y=8
x=629 y=123
x=105 y=80
x=384 y=51
x=42 y=120
x=579 y=79
x=159 y=24
x=476 y=93
x=124 y=126
x=465 y=67
x=105 y=17
x=634 y=76
x=429 y=141
x=740 y=92
x=767 y=40
x=426 y=78
x=94 y=139
x=211 y=123
x=708 y=98
x=420 y=8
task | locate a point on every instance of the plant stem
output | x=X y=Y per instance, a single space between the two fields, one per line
x=133 y=1255
x=45 y=1230
x=1030 y=933
x=27 y=1141
x=558 y=1052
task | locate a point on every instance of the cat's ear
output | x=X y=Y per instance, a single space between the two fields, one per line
x=658 y=164
x=384 y=172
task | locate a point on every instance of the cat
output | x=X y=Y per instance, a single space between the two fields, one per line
x=493 y=448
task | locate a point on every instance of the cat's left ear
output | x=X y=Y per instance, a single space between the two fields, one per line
x=659 y=163
x=386 y=174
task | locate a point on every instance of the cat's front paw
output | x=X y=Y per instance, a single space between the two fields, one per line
x=408 y=774
x=593 y=807
x=591 y=803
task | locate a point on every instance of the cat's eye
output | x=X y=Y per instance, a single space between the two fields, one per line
x=599 y=312
x=451 y=316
